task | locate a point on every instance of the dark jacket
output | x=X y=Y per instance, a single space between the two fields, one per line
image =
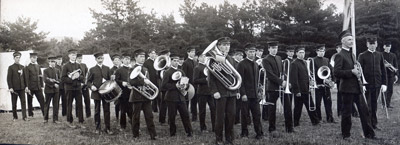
x=248 y=69
x=113 y=70
x=187 y=67
x=273 y=68
x=137 y=82
x=59 y=67
x=15 y=77
x=392 y=59
x=96 y=77
x=344 y=63
x=70 y=84
x=373 y=68
x=172 y=92
x=84 y=70
x=33 y=77
x=153 y=75
x=299 y=77
x=51 y=73
x=216 y=86
x=200 y=80
x=122 y=75
x=319 y=62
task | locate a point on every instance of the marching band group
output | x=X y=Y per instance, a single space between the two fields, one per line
x=232 y=86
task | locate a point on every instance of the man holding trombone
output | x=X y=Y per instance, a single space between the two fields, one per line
x=391 y=69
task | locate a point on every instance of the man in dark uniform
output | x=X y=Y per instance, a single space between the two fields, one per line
x=85 y=90
x=117 y=63
x=391 y=58
x=153 y=75
x=63 y=97
x=96 y=77
x=323 y=89
x=299 y=80
x=203 y=92
x=250 y=102
x=187 y=67
x=163 y=104
x=139 y=101
x=344 y=69
x=259 y=53
x=174 y=98
x=72 y=78
x=122 y=78
x=16 y=84
x=34 y=81
x=288 y=97
x=225 y=99
x=51 y=78
x=374 y=71
x=238 y=57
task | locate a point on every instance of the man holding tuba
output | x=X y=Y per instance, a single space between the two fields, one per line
x=187 y=67
x=139 y=101
x=163 y=105
x=322 y=92
x=391 y=69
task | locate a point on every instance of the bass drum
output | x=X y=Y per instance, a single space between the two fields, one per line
x=110 y=91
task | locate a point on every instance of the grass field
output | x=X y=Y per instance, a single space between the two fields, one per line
x=36 y=132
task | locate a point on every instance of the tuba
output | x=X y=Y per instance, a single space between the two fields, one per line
x=313 y=83
x=221 y=68
x=188 y=89
x=150 y=91
x=161 y=63
x=324 y=73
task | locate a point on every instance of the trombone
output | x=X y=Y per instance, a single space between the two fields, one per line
x=284 y=89
x=263 y=76
x=150 y=91
x=313 y=83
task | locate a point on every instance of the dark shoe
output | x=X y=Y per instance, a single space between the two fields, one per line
x=194 y=119
x=189 y=134
x=296 y=124
x=152 y=138
x=347 y=138
x=173 y=134
x=355 y=115
x=390 y=107
x=271 y=129
x=259 y=136
x=109 y=132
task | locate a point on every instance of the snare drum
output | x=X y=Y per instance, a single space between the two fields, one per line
x=110 y=91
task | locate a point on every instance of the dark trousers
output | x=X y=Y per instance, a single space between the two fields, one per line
x=163 y=109
x=86 y=99
x=238 y=108
x=340 y=105
x=324 y=93
x=203 y=101
x=106 y=113
x=372 y=94
x=77 y=95
x=193 y=107
x=348 y=100
x=180 y=106
x=39 y=96
x=126 y=110
x=148 y=116
x=64 y=102
x=298 y=107
x=265 y=108
x=56 y=101
x=14 y=99
x=155 y=104
x=389 y=91
x=252 y=106
x=225 y=116
x=287 y=110
x=117 y=108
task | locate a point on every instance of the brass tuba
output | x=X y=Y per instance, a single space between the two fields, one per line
x=150 y=91
x=161 y=63
x=313 y=83
x=324 y=73
x=221 y=68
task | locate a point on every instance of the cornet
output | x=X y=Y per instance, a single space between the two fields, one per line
x=390 y=66
x=150 y=91
x=313 y=83
x=222 y=69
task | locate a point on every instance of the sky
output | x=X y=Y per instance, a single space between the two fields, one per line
x=72 y=18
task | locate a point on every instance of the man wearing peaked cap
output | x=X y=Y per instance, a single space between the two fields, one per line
x=116 y=59
x=16 y=85
x=163 y=104
x=85 y=90
x=149 y=64
x=238 y=57
x=187 y=67
x=391 y=58
x=34 y=82
x=52 y=79
x=349 y=88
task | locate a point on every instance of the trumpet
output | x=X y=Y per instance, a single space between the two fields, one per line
x=221 y=68
x=390 y=66
x=150 y=91
x=161 y=63
x=324 y=73
x=313 y=83
x=187 y=88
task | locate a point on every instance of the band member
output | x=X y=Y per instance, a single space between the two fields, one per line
x=238 y=57
x=163 y=104
x=323 y=90
x=391 y=73
x=259 y=53
x=72 y=78
x=16 y=85
x=273 y=66
x=203 y=92
x=34 y=82
x=85 y=90
x=248 y=91
x=345 y=70
x=96 y=77
x=288 y=98
x=187 y=67
x=63 y=97
x=225 y=99
x=374 y=71
x=300 y=84
x=174 y=98
x=51 y=78
x=153 y=75
x=122 y=78
x=117 y=63
x=181 y=60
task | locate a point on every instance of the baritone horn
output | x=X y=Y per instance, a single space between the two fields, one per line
x=188 y=88
x=161 y=63
x=324 y=73
x=150 y=91
x=313 y=83
x=221 y=68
